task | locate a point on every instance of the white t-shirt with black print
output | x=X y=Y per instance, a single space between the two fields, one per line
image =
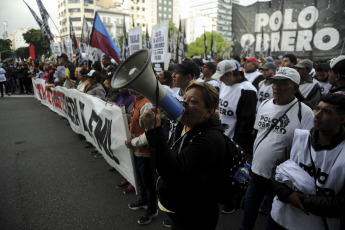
x=277 y=143
x=330 y=169
x=228 y=101
x=265 y=92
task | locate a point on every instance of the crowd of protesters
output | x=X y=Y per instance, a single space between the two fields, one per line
x=287 y=113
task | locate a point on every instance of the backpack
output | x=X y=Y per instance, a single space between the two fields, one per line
x=231 y=190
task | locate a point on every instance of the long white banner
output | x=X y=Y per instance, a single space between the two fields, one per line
x=103 y=125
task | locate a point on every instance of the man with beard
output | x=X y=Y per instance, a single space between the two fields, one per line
x=289 y=60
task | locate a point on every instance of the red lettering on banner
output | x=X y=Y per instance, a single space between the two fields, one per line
x=39 y=89
x=57 y=100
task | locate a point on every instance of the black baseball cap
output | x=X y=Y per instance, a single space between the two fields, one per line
x=64 y=56
x=188 y=66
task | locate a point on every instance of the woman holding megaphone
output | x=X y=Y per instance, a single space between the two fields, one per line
x=193 y=162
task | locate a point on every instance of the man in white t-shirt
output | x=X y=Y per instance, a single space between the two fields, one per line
x=321 y=77
x=321 y=150
x=275 y=123
x=309 y=89
x=3 y=81
x=265 y=86
x=237 y=103
x=251 y=71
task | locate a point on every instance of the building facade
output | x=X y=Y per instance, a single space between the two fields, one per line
x=76 y=9
x=113 y=15
x=17 y=38
x=219 y=10
x=144 y=13
x=111 y=12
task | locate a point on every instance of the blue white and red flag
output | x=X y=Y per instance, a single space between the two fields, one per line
x=100 y=38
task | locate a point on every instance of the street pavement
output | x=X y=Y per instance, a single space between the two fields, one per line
x=48 y=180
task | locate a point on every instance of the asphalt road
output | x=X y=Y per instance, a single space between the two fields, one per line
x=48 y=180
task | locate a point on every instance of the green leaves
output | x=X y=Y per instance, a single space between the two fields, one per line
x=197 y=48
x=37 y=38
x=5 y=48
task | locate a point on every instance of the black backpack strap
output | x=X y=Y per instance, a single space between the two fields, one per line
x=274 y=124
x=299 y=111
x=312 y=92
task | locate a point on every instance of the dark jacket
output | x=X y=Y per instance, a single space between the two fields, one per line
x=321 y=205
x=22 y=72
x=70 y=66
x=189 y=168
x=246 y=110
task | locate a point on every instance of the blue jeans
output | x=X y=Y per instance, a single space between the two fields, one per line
x=147 y=183
x=258 y=188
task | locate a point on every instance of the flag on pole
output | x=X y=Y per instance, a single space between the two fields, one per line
x=72 y=34
x=185 y=47
x=173 y=55
x=85 y=33
x=224 y=49
x=147 y=43
x=32 y=52
x=100 y=38
x=170 y=43
x=40 y=23
x=212 y=55
x=215 y=46
x=125 y=39
x=205 y=42
x=181 y=44
x=45 y=16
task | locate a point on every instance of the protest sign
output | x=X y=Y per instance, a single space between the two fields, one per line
x=159 y=49
x=134 y=39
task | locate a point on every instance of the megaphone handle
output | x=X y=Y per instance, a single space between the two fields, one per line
x=153 y=155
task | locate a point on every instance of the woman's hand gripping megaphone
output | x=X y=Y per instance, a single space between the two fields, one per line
x=148 y=118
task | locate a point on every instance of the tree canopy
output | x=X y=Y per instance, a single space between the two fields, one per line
x=5 y=48
x=197 y=48
x=22 y=52
x=37 y=38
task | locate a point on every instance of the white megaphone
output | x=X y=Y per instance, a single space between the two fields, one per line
x=136 y=74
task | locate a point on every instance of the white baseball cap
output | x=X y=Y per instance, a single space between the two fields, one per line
x=91 y=72
x=287 y=73
x=336 y=60
x=223 y=67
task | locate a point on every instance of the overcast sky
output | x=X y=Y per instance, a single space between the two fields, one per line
x=17 y=14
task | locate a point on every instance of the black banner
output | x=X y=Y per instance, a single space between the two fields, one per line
x=313 y=29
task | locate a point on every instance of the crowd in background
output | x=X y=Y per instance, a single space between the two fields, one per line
x=260 y=101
